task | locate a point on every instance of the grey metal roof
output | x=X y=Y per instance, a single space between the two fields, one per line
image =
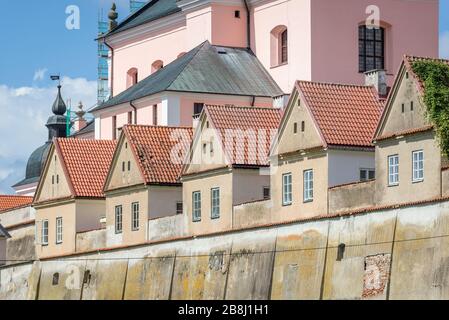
x=35 y=165
x=153 y=10
x=90 y=127
x=4 y=233
x=206 y=69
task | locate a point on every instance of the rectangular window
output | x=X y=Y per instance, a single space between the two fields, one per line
x=266 y=193
x=418 y=165
x=58 y=230
x=393 y=170
x=45 y=232
x=179 y=208
x=367 y=174
x=114 y=127
x=118 y=219
x=197 y=108
x=196 y=203
x=308 y=185
x=295 y=128
x=135 y=216
x=371 y=48
x=155 y=115
x=287 y=189
x=215 y=203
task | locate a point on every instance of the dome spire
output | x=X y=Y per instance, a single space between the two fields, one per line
x=59 y=106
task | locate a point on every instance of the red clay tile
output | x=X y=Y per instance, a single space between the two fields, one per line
x=8 y=203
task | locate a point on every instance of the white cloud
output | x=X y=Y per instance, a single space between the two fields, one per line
x=39 y=75
x=23 y=114
x=444 y=45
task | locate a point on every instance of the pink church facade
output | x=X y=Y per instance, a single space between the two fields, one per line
x=316 y=40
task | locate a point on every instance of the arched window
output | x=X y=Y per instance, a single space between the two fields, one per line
x=371 y=48
x=156 y=66
x=279 y=46
x=132 y=77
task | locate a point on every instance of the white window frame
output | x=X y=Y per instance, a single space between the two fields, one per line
x=287 y=189
x=135 y=215
x=418 y=166
x=215 y=203
x=308 y=185
x=118 y=213
x=393 y=170
x=59 y=230
x=196 y=206
x=44 y=232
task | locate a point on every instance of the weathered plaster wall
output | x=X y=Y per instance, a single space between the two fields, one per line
x=392 y=254
x=91 y=240
x=21 y=245
x=351 y=197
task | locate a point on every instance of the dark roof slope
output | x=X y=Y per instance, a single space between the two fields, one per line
x=153 y=10
x=90 y=127
x=206 y=69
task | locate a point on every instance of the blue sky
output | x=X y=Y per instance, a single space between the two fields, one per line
x=35 y=44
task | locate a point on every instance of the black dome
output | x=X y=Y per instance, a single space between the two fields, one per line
x=35 y=165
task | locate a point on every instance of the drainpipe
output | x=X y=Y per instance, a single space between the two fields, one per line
x=248 y=25
x=135 y=111
x=253 y=101
x=111 y=94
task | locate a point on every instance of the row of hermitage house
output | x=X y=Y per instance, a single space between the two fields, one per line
x=335 y=149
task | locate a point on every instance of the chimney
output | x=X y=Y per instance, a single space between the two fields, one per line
x=378 y=79
x=80 y=122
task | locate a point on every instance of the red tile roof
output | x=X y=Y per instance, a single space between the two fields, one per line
x=250 y=126
x=159 y=151
x=8 y=203
x=86 y=163
x=344 y=114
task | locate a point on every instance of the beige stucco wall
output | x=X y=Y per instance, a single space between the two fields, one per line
x=445 y=183
x=77 y=215
x=126 y=198
x=48 y=190
x=66 y=210
x=203 y=161
x=2 y=251
x=204 y=184
x=91 y=240
x=254 y=213
x=17 y=216
x=248 y=184
x=408 y=191
x=297 y=165
x=21 y=245
x=163 y=201
x=118 y=178
x=288 y=140
x=397 y=121
x=351 y=197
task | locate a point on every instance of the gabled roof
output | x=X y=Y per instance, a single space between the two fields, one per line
x=407 y=64
x=206 y=69
x=85 y=163
x=250 y=126
x=8 y=203
x=151 y=11
x=159 y=151
x=345 y=115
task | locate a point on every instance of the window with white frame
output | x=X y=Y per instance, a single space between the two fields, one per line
x=393 y=170
x=287 y=196
x=308 y=185
x=58 y=230
x=418 y=165
x=118 y=219
x=196 y=203
x=135 y=207
x=215 y=203
x=45 y=232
